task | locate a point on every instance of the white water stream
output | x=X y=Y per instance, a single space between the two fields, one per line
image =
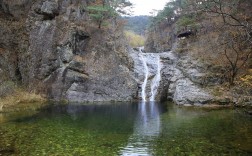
x=156 y=80
x=146 y=71
x=152 y=74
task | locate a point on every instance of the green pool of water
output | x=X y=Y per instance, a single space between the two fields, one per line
x=126 y=129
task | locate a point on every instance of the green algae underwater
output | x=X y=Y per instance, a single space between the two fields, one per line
x=125 y=129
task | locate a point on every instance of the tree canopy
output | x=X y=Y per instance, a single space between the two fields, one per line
x=102 y=10
x=231 y=20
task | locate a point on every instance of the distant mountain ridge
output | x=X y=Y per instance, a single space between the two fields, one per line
x=137 y=24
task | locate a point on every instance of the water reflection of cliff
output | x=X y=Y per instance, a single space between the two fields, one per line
x=146 y=128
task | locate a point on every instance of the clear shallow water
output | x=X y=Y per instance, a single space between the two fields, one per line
x=126 y=129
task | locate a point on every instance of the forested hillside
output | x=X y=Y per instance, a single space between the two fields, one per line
x=137 y=24
x=217 y=33
x=135 y=29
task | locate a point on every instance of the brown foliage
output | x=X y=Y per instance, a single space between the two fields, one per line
x=226 y=25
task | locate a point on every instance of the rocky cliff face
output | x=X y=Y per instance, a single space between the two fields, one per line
x=161 y=38
x=54 y=48
x=207 y=66
x=187 y=80
x=51 y=46
x=183 y=79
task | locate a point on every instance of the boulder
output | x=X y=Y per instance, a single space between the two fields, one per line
x=49 y=9
x=188 y=93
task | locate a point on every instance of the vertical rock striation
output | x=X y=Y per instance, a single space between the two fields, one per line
x=64 y=55
x=181 y=78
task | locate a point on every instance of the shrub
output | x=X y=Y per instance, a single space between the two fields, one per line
x=7 y=88
x=188 y=22
x=247 y=80
x=20 y=99
x=134 y=39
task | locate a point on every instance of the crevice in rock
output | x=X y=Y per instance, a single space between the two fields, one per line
x=47 y=16
x=64 y=75
x=185 y=34
x=49 y=75
x=80 y=42
x=165 y=94
x=78 y=71
x=18 y=74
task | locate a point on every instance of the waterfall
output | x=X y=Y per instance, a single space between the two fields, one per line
x=156 y=80
x=151 y=70
x=146 y=73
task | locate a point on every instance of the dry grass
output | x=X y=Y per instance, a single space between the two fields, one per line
x=247 y=80
x=20 y=98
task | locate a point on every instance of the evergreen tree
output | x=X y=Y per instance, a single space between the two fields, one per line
x=101 y=13
x=102 y=10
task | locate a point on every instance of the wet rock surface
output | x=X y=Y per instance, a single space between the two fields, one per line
x=147 y=67
x=177 y=83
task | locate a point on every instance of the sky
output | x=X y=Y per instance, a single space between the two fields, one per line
x=144 y=7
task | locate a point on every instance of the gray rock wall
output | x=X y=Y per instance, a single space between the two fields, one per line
x=66 y=56
x=52 y=47
x=183 y=84
x=181 y=78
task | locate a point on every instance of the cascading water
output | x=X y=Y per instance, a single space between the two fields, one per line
x=146 y=71
x=151 y=69
x=156 y=80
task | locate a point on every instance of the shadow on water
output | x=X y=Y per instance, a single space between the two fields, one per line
x=95 y=117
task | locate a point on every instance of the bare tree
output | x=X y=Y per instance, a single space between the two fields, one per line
x=235 y=28
x=237 y=51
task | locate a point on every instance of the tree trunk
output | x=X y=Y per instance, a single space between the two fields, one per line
x=99 y=25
